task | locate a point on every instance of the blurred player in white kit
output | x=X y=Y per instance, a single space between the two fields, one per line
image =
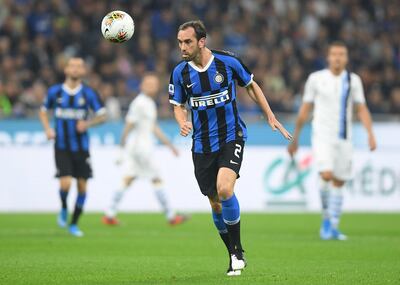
x=332 y=93
x=136 y=153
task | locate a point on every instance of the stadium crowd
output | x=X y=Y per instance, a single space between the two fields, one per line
x=281 y=41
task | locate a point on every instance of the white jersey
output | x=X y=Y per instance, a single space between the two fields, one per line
x=333 y=103
x=143 y=114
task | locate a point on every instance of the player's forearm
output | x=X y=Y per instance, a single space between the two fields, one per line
x=161 y=136
x=44 y=120
x=257 y=95
x=365 y=117
x=180 y=114
x=127 y=129
x=301 y=120
x=99 y=119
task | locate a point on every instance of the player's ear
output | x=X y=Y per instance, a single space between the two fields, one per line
x=202 y=43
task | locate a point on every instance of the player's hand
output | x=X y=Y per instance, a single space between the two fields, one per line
x=82 y=126
x=186 y=128
x=292 y=148
x=50 y=134
x=372 y=142
x=276 y=125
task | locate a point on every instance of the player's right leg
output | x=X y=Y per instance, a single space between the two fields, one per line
x=110 y=216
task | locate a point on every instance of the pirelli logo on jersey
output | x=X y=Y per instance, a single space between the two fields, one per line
x=210 y=100
x=70 y=113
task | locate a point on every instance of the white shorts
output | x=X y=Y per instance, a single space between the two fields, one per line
x=140 y=165
x=334 y=156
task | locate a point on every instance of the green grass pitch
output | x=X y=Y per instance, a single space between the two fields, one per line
x=280 y=248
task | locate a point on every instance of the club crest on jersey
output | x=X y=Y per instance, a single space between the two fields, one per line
x=219 y=78
x=81 y=101
x=210 y=100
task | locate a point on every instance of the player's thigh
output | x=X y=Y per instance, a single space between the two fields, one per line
x=64 y=164
x=324 y=156
x=231 y=156
x=343 y=161
x=82 y=167
x=206 y=171
x=226 y=180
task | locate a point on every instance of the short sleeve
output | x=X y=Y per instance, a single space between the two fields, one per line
x=309 y=90
x=50 y=99
x=241 y=73
x=134 y=113
x=95 y=102
x=177 y=94
x=357 y=90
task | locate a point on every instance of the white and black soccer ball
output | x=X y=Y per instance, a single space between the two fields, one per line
x=117 y=27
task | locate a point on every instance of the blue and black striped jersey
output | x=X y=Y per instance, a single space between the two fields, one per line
x=69 y=107
x=211 y=95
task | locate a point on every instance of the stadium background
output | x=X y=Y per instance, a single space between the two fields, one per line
x=282 y=41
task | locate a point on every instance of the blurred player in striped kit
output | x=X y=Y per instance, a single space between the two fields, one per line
x=71 y=102
x=137 y=152
x=332 y=92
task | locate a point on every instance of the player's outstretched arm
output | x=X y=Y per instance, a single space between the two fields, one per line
x=164 y=139
x=44 y=119
x=185 y=126
x=365 y=117
x=82 y=125
x=302 y=118
x=257 y=95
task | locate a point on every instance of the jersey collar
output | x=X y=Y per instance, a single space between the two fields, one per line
x=71 y=91
x=193 y=65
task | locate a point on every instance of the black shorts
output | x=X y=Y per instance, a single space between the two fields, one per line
x=75 y=164
x=207 y=165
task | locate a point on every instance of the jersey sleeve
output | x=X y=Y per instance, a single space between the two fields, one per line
x=309 y=90
x=357 y=91
x=95 y=102
x=241 y=73
x=177 y=94
x=50 y=99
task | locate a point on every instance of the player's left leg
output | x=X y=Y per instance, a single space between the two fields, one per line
x=170 y=215
x=226 y=179
x=79 y=204
x=335 y=208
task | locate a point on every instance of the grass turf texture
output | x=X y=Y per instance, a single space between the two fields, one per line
x=281 y=249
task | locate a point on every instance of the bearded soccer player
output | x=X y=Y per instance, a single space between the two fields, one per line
x=71 y=102
x=332 y=92
x=205 y=81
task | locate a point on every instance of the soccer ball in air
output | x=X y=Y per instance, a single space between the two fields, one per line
x=117 y=27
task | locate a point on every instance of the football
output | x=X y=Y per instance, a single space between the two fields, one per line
x=117 y=27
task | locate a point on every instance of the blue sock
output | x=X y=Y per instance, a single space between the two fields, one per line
x=219 y=222
x=63 y=197
x=80 y=200
x=231 y=215
x=231 y=210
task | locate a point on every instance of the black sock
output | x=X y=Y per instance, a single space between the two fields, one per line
x=227 y=242
x=76 y=215
x=234 y=236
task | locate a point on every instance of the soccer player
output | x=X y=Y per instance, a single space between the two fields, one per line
x=141 y=121
x=71 y=102
x=205 y=80
x=332 y=93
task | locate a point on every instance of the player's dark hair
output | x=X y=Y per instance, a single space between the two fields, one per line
x=337 y=44
x=198 y=27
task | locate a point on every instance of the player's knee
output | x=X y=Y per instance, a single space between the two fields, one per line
x=65 y=183
x=224 y=190
x=326 y=175
x=157 y=182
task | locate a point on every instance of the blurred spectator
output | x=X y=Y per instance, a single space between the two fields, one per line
x=281 y=41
